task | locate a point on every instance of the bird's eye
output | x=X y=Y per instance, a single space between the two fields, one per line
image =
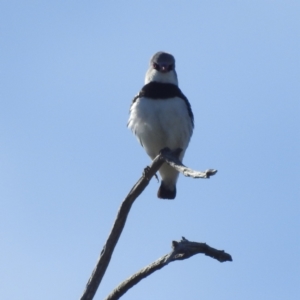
x=155 y=66
x=170 y=67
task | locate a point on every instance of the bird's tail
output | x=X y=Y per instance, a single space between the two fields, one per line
x=165 y=192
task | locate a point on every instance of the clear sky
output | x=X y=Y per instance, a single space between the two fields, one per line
x=69 y=70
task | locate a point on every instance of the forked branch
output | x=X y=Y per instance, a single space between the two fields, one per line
x=167 y=156
x=181 y=250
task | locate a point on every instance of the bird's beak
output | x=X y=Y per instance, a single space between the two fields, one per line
x=164 y=68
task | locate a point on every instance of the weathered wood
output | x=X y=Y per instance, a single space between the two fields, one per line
x=181 y=250
x=167 y=156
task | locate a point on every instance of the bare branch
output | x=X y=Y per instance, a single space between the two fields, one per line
x=166 y=155
x=181 y=250
x=174 y=162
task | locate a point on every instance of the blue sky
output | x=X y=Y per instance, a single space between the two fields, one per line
x=69 y=70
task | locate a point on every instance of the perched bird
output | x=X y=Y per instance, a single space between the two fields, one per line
x=161 y=116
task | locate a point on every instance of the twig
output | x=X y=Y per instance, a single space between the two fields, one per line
x=166 y=155
x=181 y=250
x=174 y=162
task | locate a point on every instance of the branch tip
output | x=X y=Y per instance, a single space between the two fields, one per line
x=172 y=159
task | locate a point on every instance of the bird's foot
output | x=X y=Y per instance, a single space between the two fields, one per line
x=146 y=172
x=175 y=152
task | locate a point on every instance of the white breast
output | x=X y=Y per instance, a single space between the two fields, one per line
x=160 y=123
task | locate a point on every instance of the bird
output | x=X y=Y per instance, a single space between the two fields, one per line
x=161 y=117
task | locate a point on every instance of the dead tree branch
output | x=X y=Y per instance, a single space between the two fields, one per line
x=181 y=250
x=177 y=165
x=167 y=156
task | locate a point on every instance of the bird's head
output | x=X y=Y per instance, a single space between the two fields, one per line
x=162 y=69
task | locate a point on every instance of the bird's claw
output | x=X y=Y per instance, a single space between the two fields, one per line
x=146 y=172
